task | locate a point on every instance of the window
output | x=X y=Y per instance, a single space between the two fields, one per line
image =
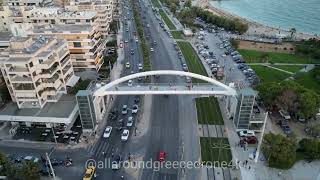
x=31 y=64
x=46 y=21
x=40 y=61
x=4 y=23
x=28 y=17
x=76 y=44
x=87 y=20
x=77 y=20
x=2 y=17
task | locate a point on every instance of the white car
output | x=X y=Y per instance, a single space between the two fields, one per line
x=124 y=109
x=246 y=133
x=127 y=65
x=140 y=67
x=130 y=82
x=137 y=40
x=126 y=41
x=130 y=121
x=125 y=135
x=151 y=49
x=135 y=109
x=107 y=132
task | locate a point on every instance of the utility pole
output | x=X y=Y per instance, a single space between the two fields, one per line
x=54 y=135
x=50 y=165
x=261 y=138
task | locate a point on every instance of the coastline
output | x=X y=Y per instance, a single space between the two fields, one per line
x=256 y=28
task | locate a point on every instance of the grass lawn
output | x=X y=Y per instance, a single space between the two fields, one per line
x=192 y=59
x=156 y=3
x=215 y=150
x=311 y=80
x=208 y=111
x=293 y=68
x=252 y=56
x=167 y=20
x=177 y=34
x=269 y=75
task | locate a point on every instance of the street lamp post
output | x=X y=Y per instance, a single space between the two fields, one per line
x=54 y=135
x=261 y=138
x=50 y=165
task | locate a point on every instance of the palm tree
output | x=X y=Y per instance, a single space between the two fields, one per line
x=292 y=32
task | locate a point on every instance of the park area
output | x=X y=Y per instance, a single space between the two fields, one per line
x=215 y=150
x=267 y=74
x=252 y=56
x=156 y=3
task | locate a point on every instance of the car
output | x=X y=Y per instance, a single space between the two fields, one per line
x=130 y=121
x=127 y=29
x=184 y=67
x=286 y=129
x=162 y=156
x=124 y=109
x=90 y=173
x=139 y=78
x=151 y=49
x=125 y=135
x=140 y=67
x=126 y=41
x=246 y=133
x=135 y=109
x=136 y=100
x=116 y=162
x=31 y=158
x=170 y=36
x=285 y=114
x=250 y=140
x=188 y=80
x=107 y=132
x=137 y=40
x=130 y=82
x=154 y=42
x=132 y=52
x=127 y=65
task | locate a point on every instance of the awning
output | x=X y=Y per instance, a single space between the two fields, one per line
x=73 y=80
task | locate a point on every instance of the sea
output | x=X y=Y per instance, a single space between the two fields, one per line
x=304 y=15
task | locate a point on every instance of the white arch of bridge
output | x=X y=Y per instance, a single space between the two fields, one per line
x=104 y=89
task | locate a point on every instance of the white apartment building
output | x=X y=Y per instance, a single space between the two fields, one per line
x=103 y=8
x=36 y=70
x=84 y=43
x=44 y=15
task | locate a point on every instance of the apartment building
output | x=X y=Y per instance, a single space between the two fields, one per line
x=103 y=8
x=84 y=42
x=36 y=70
x=43 y=16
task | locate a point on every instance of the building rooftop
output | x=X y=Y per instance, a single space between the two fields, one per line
x=44 y=12
x=248 y=92
x=5 y=36
x=72 y=28
x=60 y=110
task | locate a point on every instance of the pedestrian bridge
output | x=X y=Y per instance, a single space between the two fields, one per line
x=118 y=87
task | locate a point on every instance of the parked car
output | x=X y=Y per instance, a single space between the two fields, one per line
x=90 y=173
x=130 y=121
x=250 y=139
x=135 y=109
x=124 y=109
x=116 y=162
x=285 y=114
x=125 y=135
x=246 y=133
x=107 y=132
x=140 y=67
x=162 y=156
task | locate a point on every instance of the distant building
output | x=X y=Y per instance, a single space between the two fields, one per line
x=36 y=70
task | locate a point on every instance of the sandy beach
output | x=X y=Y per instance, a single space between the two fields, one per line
x=254 y=27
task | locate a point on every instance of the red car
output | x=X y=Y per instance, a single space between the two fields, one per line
x=250 y=139
x=162 y=156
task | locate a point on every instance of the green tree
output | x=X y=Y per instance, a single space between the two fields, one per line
x=279 y=151
x=29 y=171
x=234 y=43
x=310 y=148
x=188 y=4
x=292 y=32
x=173 y=8
x=309 y=103
x=268 y=92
